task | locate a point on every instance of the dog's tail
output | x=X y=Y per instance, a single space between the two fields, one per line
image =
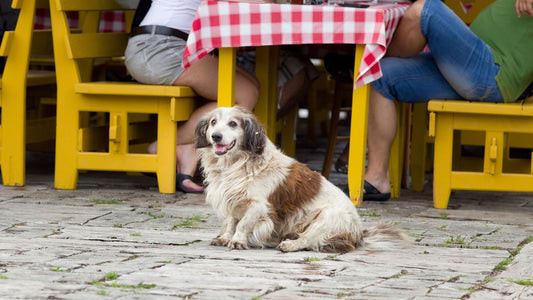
x=384 y=236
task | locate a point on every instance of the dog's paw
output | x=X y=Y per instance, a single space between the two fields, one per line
x=239 y=245
x=219 y=242
x=287 y=246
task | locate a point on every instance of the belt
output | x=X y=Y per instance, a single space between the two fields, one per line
x=160 y=30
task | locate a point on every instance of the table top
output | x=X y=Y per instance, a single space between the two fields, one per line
x=220 y=24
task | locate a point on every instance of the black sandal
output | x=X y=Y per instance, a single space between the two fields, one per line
x=372 y=194
x=179 y=182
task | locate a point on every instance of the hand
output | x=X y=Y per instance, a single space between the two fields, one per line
x=524 y=6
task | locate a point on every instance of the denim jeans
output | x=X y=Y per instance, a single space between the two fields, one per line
x=458 y=66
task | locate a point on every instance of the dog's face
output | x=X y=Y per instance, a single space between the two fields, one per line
x=228 y=129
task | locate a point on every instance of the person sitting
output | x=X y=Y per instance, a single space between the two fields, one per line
x=491 y=61
x=154 y=56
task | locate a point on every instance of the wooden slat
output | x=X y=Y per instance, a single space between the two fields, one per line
x=97 y=45
x=42 y=3
x=133 y=89
x=40 y=77
x=42 y=43
x=478 y=107
x=73 y=5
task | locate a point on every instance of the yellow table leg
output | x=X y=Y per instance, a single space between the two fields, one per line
x=266 y=70
x=226 y=76
x=358 y=133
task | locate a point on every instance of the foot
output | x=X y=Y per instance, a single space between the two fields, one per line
x=180 y=182
x=187 y=160
x=371 y=193
x=341 y=166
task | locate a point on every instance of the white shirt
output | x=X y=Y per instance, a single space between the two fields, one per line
x=177 y=14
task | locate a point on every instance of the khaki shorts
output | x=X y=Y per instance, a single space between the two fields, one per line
x=155 y=59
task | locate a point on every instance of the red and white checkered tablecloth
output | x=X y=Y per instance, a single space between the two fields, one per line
x=220 y=24
x=110 y=21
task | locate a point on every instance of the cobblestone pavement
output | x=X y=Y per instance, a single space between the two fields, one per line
x=115 y=237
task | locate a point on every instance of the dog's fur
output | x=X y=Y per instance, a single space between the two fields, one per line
x=267 y=199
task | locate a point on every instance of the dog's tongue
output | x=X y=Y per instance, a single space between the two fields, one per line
x=219 y=148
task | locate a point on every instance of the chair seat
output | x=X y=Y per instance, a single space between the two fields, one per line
x=460 y=106
x=40 y=77
x=133 y=89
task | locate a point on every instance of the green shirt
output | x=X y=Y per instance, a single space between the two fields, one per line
x=511 y=41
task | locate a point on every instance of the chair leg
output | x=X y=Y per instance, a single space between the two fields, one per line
x=397 y=151
x=66 y=171
x=288 y=138
x=417 y=161
x=13 y=164
x=334 y=128
x=443 y=161
x=166 y=150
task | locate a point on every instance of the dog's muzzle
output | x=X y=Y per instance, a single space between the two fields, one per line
x=221 y=149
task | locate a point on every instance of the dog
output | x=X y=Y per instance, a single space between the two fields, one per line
x=267 y=199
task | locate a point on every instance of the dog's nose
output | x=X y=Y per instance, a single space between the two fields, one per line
x=216 y=136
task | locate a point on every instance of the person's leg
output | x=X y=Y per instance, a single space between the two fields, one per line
x=408 y=39
x=464 y=59
x=414 y=79
x=292 y=91
x=381 y=133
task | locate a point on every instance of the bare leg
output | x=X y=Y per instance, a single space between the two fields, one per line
x=408 y=39
x=345 y=153
x=292 y=91
x=381 y=132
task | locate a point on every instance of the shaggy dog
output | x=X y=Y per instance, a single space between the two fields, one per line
x=267 y=199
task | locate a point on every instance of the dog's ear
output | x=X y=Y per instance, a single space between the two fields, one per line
x=254 y=135
x=200 y=132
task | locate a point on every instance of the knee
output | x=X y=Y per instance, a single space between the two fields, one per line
x=414 y=11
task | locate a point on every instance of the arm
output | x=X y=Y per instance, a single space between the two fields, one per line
x=524 y=6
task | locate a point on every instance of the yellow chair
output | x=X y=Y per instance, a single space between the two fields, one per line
x=421 y=142
x=495 y=121
x=84 y=145
x=495 y=126
x=18 y=46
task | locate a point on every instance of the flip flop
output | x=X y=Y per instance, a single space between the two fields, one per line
x=372 y=194
x=179 y=181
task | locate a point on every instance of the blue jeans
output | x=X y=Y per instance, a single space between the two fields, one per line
x=458 y=66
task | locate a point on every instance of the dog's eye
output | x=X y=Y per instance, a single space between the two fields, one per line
x=213 y=122
x=232 y=124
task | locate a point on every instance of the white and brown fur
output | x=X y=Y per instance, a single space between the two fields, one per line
x=267 y=199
